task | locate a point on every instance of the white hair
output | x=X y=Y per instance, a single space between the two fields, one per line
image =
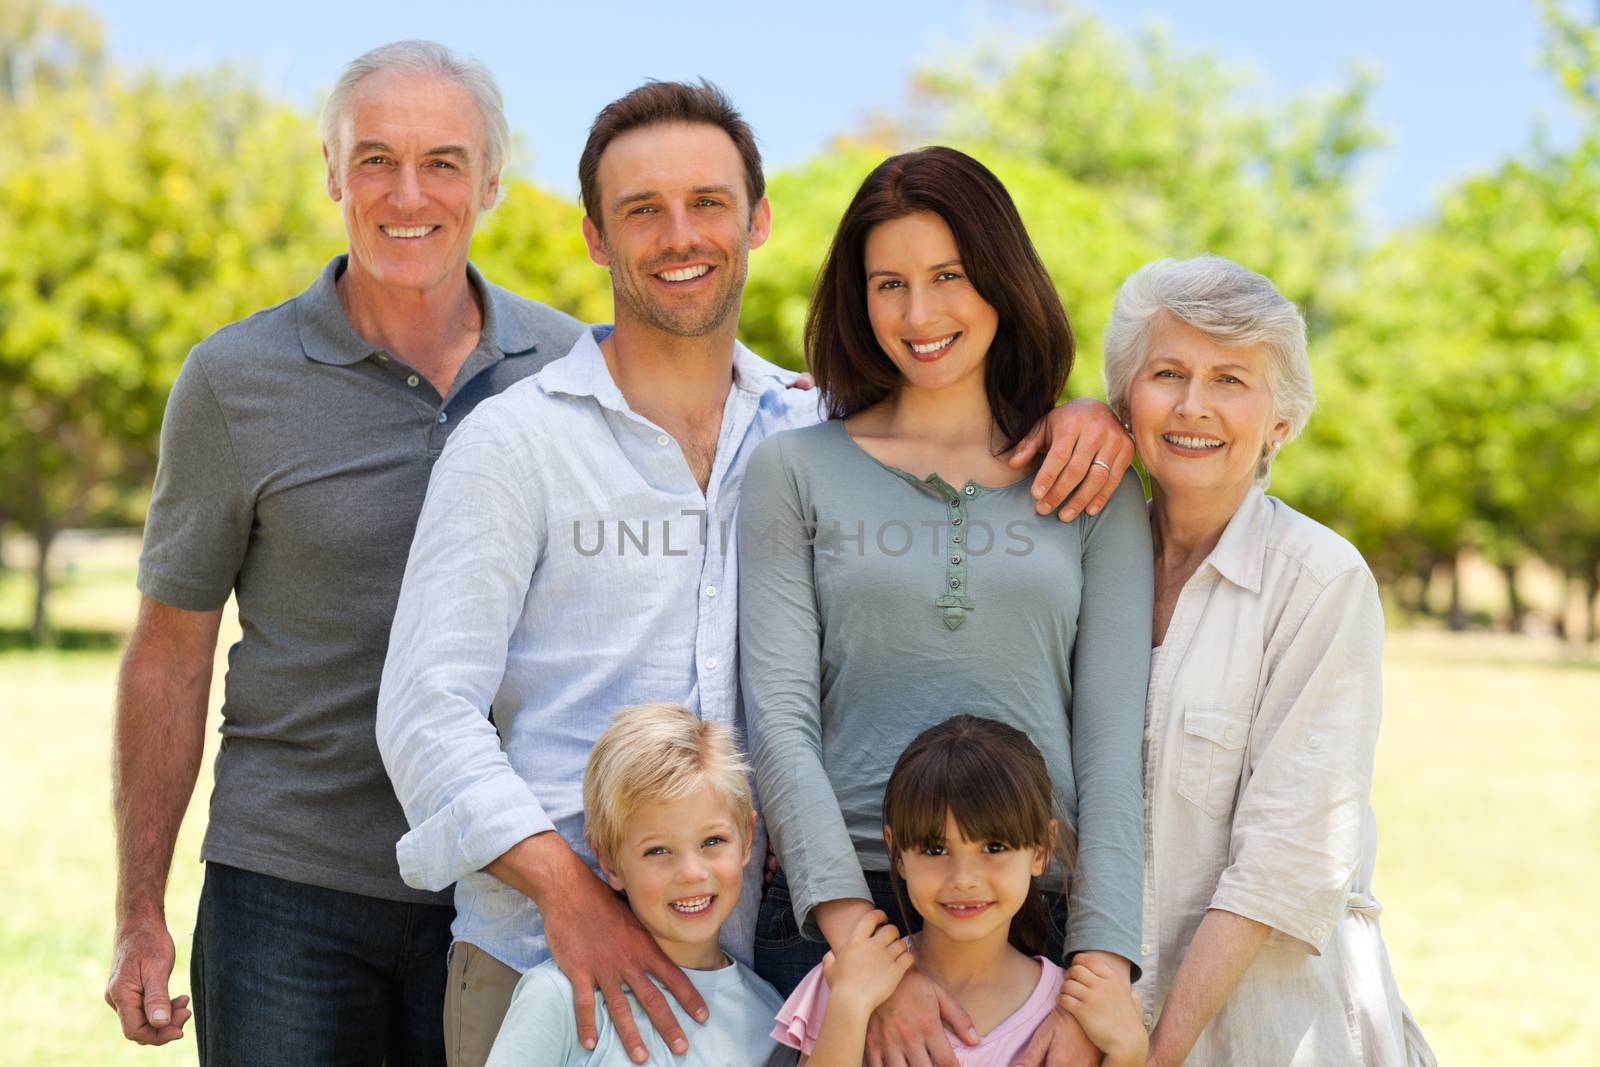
x=1229 y=306
x=429 y=59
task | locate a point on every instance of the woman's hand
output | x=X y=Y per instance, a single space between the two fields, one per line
x=1088 y=449
x=864 y=971
x=1108 y=1010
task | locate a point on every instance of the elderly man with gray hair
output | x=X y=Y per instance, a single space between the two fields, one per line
x=1261 y=941
x=295 y=454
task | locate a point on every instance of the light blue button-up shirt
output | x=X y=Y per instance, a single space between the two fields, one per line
x=566 y=564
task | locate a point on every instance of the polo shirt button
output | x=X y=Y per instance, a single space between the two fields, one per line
x=711 y=590
x=412 y=381
x=1149 y=1020
x=956 y=539
x=969 y=490
x=955 y=503
x=955 y=583
x=956 y=521
x=711 y=663
x=443 y=418
x=955 y=559
x=663 y=440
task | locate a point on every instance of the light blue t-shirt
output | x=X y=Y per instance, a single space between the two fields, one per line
x=540 y=1029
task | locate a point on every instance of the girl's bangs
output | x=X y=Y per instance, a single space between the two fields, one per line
x=983 y=795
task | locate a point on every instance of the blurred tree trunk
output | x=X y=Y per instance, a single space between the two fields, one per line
x=1457 y=614
x=1591 y=603
x=1515 y=610
x=43 y=536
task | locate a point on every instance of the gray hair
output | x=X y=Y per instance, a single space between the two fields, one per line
x=427 y=58
x=1229 y=306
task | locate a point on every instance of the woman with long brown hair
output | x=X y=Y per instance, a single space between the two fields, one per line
x=895 y=572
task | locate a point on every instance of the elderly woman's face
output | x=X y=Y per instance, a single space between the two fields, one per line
x=1201 y=413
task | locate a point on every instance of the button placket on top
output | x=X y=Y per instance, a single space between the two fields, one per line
x=954 y=599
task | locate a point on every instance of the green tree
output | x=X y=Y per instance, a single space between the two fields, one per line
x=139 y=219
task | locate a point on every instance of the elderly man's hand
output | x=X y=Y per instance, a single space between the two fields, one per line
x=141 y=966
x=1087 y=452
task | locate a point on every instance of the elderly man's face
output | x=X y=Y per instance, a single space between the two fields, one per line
x=411 y=179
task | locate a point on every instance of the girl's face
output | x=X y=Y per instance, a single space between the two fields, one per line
x=968 y=890
x=927 y=316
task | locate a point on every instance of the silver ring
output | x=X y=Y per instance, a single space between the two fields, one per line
x=1100 y=463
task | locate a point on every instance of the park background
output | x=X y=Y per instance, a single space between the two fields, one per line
x=1422 y=179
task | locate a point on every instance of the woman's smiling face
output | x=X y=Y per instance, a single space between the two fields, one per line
x=1201 y=413
x=926 y=314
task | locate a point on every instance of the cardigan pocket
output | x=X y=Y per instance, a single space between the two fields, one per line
x=1211 y=757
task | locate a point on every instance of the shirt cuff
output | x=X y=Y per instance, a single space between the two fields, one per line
x=1089 y=935
x=177 y=595
x=806 y=894
x=1309 y=926
x=470 y=832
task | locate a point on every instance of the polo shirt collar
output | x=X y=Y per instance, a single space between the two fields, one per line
x=583 y=372
x=1241 y=552
x=327 y=336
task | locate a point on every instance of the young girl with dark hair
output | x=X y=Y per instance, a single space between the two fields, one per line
x=970 y=825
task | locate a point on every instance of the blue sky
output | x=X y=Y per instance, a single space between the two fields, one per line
x=1459 y=84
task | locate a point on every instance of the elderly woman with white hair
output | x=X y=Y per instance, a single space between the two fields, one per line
x=1261 y=941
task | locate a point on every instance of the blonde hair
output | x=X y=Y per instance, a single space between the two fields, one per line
x=657 y=753
x=1229 y=306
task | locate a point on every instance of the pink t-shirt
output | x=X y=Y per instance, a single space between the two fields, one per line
x=802 y=1016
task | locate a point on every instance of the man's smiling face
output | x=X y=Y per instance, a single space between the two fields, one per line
x=678 y=227
x=410 y=178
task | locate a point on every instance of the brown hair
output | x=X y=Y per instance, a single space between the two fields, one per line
x=664 y=102
x=993 y=780
x=1031 y=355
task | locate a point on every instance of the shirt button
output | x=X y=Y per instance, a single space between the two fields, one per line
x=1149 y=1020
x=955 y=559
x=1144 y=950
x=1318 y=930
x=955 y=583
x=412 y=381
x=443 y=418
x=955 y=503
x=383 y=357
x=711 y=663
x=1314 y=741
x=956 y=539
x=711 y=590
x=1230 y=733
x=969 y=490
x=956 y=521
x=1149 y=733
x=663 y=440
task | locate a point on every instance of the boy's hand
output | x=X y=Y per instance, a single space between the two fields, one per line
x=1107 y=1009
x=866 y=969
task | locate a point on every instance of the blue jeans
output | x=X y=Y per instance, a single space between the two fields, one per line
x=784 y=955
x=285 y=974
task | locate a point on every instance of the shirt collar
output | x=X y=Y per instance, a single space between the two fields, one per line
x=583 y=372
x=1241 y=552
x=327 y=336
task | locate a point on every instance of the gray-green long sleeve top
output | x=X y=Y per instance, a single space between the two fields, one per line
x=874 y=604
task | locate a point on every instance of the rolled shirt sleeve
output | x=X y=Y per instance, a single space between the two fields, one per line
x=780 y=637
x=477 y=542
x=1110 y=671
x=1298 y=823
x=198 y=527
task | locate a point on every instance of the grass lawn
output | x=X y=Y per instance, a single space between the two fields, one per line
x=1487 y=796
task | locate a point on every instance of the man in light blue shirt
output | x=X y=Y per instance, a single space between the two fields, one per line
x=574 y=555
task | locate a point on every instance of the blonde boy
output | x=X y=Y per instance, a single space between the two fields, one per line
x=667 y=809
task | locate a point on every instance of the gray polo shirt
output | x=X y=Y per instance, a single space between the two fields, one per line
x=294 y=461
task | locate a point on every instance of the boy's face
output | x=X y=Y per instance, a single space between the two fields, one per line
x=681 y=863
